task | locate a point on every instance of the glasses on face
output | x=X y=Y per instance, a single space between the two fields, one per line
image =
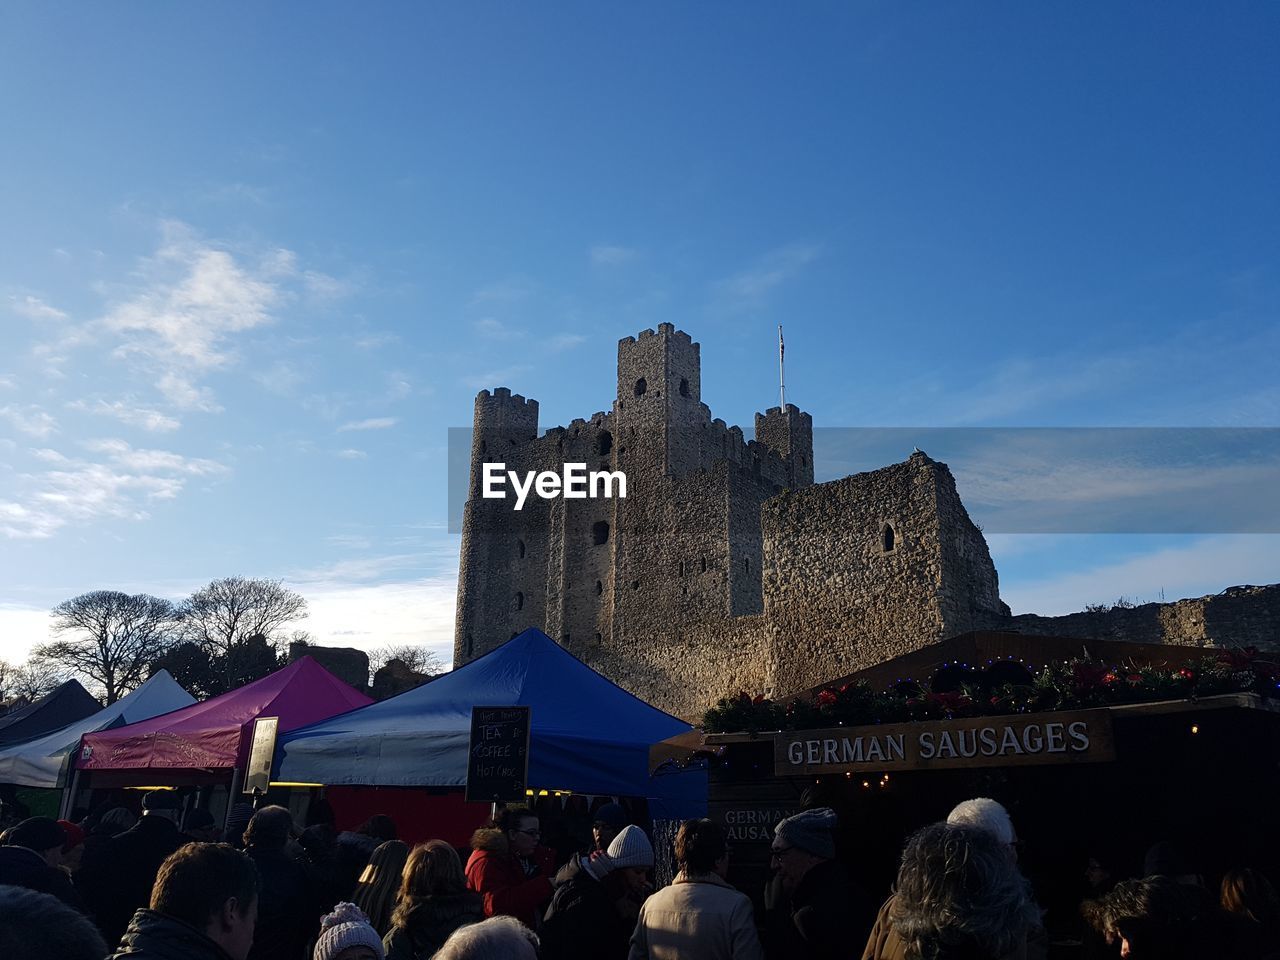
x=777 y=853
x=535 y=833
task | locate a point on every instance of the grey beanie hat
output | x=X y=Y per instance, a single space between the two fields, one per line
x=630 y=848
x=811 y=831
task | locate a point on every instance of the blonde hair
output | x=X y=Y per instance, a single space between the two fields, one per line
x=376 y=890
x=433 y=869
x=1249 y=894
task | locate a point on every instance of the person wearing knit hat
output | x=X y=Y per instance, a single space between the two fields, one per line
x=605 y=824
x=31 y=857
x=73 y=849
x=589 y=916
x=346 y=934
x=822 y=911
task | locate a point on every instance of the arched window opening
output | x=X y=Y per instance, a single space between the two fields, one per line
x=600 y=533
x=888 y=538
x=519 y=601
x=641 y=386
x=520 y=549
x=680 y=570
x=598 y=637
x=471 y=645
x=635 y=584
x=599 y=588
x=604 y=443
x=684 y=387
x=484 y=447
x=703 y=561
x=746 y=565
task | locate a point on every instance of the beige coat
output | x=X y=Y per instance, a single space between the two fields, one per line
x=699 y=917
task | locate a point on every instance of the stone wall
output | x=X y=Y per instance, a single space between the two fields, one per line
x=346 y=663
x=1236 y=617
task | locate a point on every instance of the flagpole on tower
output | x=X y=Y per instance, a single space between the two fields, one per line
x=782 y=379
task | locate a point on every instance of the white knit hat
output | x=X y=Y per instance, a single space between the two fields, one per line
x=630 y=848
x=346 y=927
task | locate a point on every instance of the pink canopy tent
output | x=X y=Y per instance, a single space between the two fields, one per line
x=215 y=736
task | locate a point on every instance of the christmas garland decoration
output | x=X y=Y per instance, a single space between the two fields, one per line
x=959 y=690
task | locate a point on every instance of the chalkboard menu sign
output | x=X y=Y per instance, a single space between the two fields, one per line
x=498 y=758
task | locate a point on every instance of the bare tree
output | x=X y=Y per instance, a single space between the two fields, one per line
x=112 y=638
x=225 y=614
x=416 y=658
x=35 y=679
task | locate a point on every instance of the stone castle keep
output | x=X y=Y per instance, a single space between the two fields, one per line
x=726 y=568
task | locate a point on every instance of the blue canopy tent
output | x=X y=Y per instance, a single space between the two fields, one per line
x=588 y=735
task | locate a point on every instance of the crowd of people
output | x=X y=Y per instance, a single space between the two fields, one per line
x=162 y=887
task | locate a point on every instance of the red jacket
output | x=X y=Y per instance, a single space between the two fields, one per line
x=499 y=878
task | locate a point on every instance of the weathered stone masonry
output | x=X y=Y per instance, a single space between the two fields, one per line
x=726 y=568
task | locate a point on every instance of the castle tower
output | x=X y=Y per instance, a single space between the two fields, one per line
x=659 y=399
x=502 y=429
x=789 y=434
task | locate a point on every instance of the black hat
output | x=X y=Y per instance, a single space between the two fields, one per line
x=614 y=814
x=160 y=800
x=39 y=834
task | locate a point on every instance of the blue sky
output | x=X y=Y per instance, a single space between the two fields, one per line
x=255 y=259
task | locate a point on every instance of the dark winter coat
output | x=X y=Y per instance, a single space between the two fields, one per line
x=117 y=879
x=430 y=923
x=351 y=853
x=495 y=874
x=20 y=867
x=824 y=915
x=584 y=923
x=153 y=936
x=289 y=906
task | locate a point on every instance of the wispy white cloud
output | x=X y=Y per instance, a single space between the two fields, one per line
x=8 y=383
x=493 y=329
x=750 y=287
x=196 y=297
x=610 y=255
x=372 y=423
x=282 y=377
x=128 y=412
x=186 y=395
x=352 y=454
x=31 y=420
x=372 y=341
x=77 y=491
x=566 y=341
x=321 y=286
x=399 y=385
x=35 y=309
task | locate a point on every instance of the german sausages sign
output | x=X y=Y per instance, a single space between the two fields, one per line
x=1081 y=736
x=498 y=758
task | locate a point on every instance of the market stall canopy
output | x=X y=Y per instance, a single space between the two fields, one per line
x=588 y=734
x=43 y=762
x=215 y=734
x=67 y=704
